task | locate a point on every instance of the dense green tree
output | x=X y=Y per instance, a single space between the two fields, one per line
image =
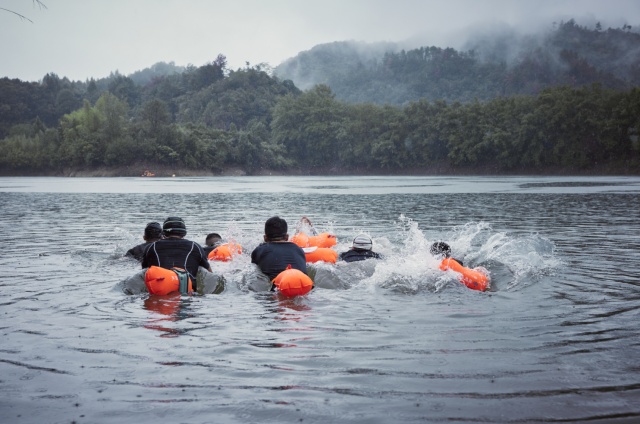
x=245 y=95
x=80 y=144
x=362 y=124
x=201 y=77
x=17 y=103
x=308 y=126
x=114 y=116
x=92 y=94
x=428 y=127
x=124 y=88
x=213 y=147
x=626 y=120
x=87 y=133
x=154 y=115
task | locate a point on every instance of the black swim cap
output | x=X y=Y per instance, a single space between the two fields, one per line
x=212 y=239
x=275 y=228
x=440 y=248
x=174 y=226
x=153 y=230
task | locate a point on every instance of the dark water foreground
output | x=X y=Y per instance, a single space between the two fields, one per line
x=555 y=340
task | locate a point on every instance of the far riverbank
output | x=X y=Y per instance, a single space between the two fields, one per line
x=170 y=171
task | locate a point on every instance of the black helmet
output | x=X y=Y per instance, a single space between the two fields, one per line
x=174 y=226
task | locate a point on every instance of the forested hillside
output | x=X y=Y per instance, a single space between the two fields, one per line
x=208 y=119
x=497 y=65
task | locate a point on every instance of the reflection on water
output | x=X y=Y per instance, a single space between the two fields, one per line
x=394 y=340
x=171 y=308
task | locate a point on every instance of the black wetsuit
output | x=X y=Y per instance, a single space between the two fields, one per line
x=179 y=253
x=273 y=258
x=354 y=255
x=138 y=251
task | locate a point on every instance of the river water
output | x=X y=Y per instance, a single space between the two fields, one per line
x=555 y=339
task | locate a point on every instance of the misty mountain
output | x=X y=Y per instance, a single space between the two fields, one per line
x=493 y=64
x=327 y=63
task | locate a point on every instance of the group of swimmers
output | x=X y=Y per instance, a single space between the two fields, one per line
x=166 y=247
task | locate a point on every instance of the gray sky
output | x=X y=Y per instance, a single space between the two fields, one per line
x=80 y=39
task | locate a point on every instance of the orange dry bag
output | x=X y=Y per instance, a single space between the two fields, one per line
x=323 y=240
x=300 y=239
x=292 y=282
x=164 y=281
x=471 y=278
x=225 y=252
x=320 y=254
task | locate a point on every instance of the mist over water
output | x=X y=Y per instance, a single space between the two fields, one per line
x=395 y=340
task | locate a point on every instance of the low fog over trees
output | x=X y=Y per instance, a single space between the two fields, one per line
x=498 y=64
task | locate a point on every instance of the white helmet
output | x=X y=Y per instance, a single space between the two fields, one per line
x=362 y=242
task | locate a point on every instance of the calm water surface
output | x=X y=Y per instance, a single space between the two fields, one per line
x=555 y=340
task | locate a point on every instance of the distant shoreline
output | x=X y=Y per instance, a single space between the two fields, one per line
x=163 y=171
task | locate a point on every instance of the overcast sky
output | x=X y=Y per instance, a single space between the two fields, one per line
x=80 y=39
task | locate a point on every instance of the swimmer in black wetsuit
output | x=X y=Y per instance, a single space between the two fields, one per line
x=360 y=250
x=174 y=251
x=152 y=233
x=276 y=253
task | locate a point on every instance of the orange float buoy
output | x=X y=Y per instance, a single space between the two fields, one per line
x=320 y=254
x=225 y=252
x=471 y=278
x=321 y=240
x=300 y=239
x=164 y=281
x=292 y=282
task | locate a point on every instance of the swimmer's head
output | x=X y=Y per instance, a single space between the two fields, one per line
x=362 y=242
x=174 y=226
x=440 y=248
x=275 y=229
